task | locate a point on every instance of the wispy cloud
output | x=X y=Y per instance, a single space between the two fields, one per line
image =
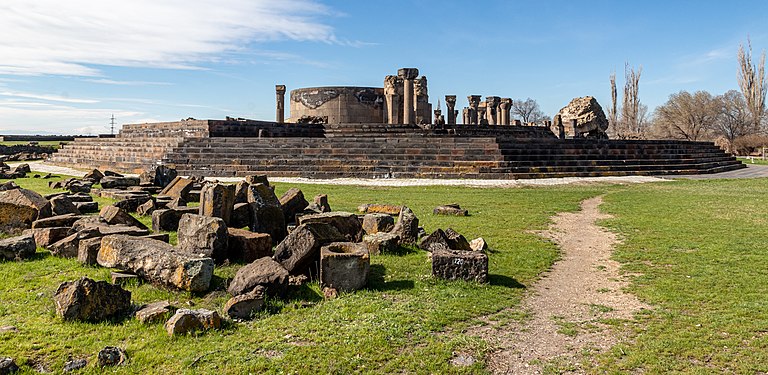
x=710 y=56
x=72 y=37
x=58 y=118
x=127 y=83
x=52 y=98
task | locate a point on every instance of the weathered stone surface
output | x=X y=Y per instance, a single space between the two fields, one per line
x=62 y=205
x=267 y=216
x=95 y=175
x=247 y=246
x=241 y=192
x=478 y=244
x=122 y=278
x=450 y=210
x=8 y=366
x=75 y=364
x=246 y=305
x=165 y=237
x=160 y=175
x=111 y=356
x=87 y=207
x=178 y=202
x=257 y=179
x=319 y=204
x=168 y=220
x=18 y=248
x=8 y=185
x=146 y=208
x=292 y=203
x=89 y=300
x=203 y=236
x=302 y=247
x=346 y=223
x=407 y=226
x=109 y=173
x=132 y=204
x=46 y=236
x=78 y=186
x=448 y=239
x=263 y=272
x=241 y=215
x=381 y=242
x=375 y=223
x=460 y=265
x=20 y=207
x=116 y=215
x=156 y=262
x=344 y=266
x=88 y=250
x=80 y=197
x=456 y=241
x=186 y=321
x=69 y=246
x=66 y=220
x=589 y=116
x=217 y=200
x=154 y=312
x=113 y=182
x=179 y=187
x=375 y=208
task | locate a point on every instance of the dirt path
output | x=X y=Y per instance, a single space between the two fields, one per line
x=565 y=306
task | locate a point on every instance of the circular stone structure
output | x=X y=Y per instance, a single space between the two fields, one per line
x=337 y=105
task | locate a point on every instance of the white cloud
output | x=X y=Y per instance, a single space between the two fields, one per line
x=51 y=98
x=70 y=37
x=127 y=83
x=60 y=118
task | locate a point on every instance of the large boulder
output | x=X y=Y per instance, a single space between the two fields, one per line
x=381 y=243
x=156 y=262
x=62 y=204
x=168 y=220
x=346 y=223
x=292 y=203
x=247 y=246
x=178 y=187
x=116 y=215
x=46 y=236
x=89 y=300
x=20 y=207
x=246 y=305
x=241 y=192
x=132 y=203
x=217 y=200
x=263 y=272
x=267 y=214
x=589 y=118
x=18 y=248
x=69 y=247
x=460 y=265
x=241 y=216
x=94 y=175
x=344 y=266
x=65 y=220
x=160 y=175
x=301 y=248
x=203 y=236
x=186 y=321
x=375 y=223
x=407 y=226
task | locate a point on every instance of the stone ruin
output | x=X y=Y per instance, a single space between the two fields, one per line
x=582 y=117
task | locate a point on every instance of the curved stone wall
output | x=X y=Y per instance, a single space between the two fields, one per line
x=338 y=105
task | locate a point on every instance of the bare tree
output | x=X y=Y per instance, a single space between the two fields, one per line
x=613 y=113
x=752 y=83
x=630 y=108
x=687 y=116
x=527 y=110
x=734 y=119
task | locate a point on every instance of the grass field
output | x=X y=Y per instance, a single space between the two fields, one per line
x=40 y=143
x=698 y=244
x=757 y=160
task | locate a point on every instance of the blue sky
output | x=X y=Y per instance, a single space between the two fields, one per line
x=66 y=66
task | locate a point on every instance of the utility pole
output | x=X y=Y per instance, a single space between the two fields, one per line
x=112 y=125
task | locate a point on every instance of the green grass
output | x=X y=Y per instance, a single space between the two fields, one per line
x=396 y=324
x=756 y=160
x=40 y=143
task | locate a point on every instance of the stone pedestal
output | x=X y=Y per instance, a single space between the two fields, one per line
x=280 y=113
x=450 y=104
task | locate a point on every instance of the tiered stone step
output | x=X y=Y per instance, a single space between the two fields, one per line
x=132 y=154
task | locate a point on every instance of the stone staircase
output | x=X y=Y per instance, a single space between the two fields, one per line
x=130 y=154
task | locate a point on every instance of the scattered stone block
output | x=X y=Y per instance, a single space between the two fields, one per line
x=89 y=300
x=20 y=207
x=62 y=205
x=456 y=241
x=478 y=244
x=66 y=220
x=381 y=243
x=203 y=236
x=132 y=204
x=375 y=223
x=87 y=207
x=78 y=186
x=69 y=247
x=9 y=185
x=292 y=203
x=241 y=192
x=146 y=208
x=178 y=202
x=94 y=175
x=165 y=237
x=319 y=204
x=241 y=215
x=247 y=246
x=8 y=366
x=460 y=265
x=267 y=216
x=375 y=208
x=344 y=266
x=156 y=262
x=217 y=200
x=46 y=236
x=407 y=226
x=114 y=182
x=109 y=173
x=154 y=312
x=18 y=248
x=168 y=220
x=263 y=272
x=257 y=179
x=301 y=248
x=178 y=187
x=160 y=175
x=450 y=210
x=121 y=278
x=448 y=239
x=111 y=356
x=187 y=321
x=116 y=215
x=346 y=223
x=75 y=364
x=88 y=250
x=246 y=305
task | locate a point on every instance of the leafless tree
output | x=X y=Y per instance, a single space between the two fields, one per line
x=527 y=110
x=734 y=119
x=630 y=108
x=613 y=113
x=752 y=83
x=687 y=116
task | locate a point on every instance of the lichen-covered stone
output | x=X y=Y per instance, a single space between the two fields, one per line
x=217 y=200
x=407 y=226
x=292 y=203
x=263 y=272
x=18 y=248
x=346 y=223
x=375 y=223
x=301 y=248
x=203 y=236
x=460 y=265
x=187 y=321
x=89 y=300
x=344 y=266
x=247 y=246
x=244 y=306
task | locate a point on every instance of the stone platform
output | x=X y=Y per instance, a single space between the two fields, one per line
x=238 y=148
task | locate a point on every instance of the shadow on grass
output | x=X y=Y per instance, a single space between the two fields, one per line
x=376 y=280
x=505 y=281
x=402 y=250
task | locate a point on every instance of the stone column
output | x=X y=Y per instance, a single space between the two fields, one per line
x=408 y=75
x=474 y=103
x=491 y=106
x=450 y=104
x=280 y=114
x=391 y=85
x=465 y=116
x=504 y=107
